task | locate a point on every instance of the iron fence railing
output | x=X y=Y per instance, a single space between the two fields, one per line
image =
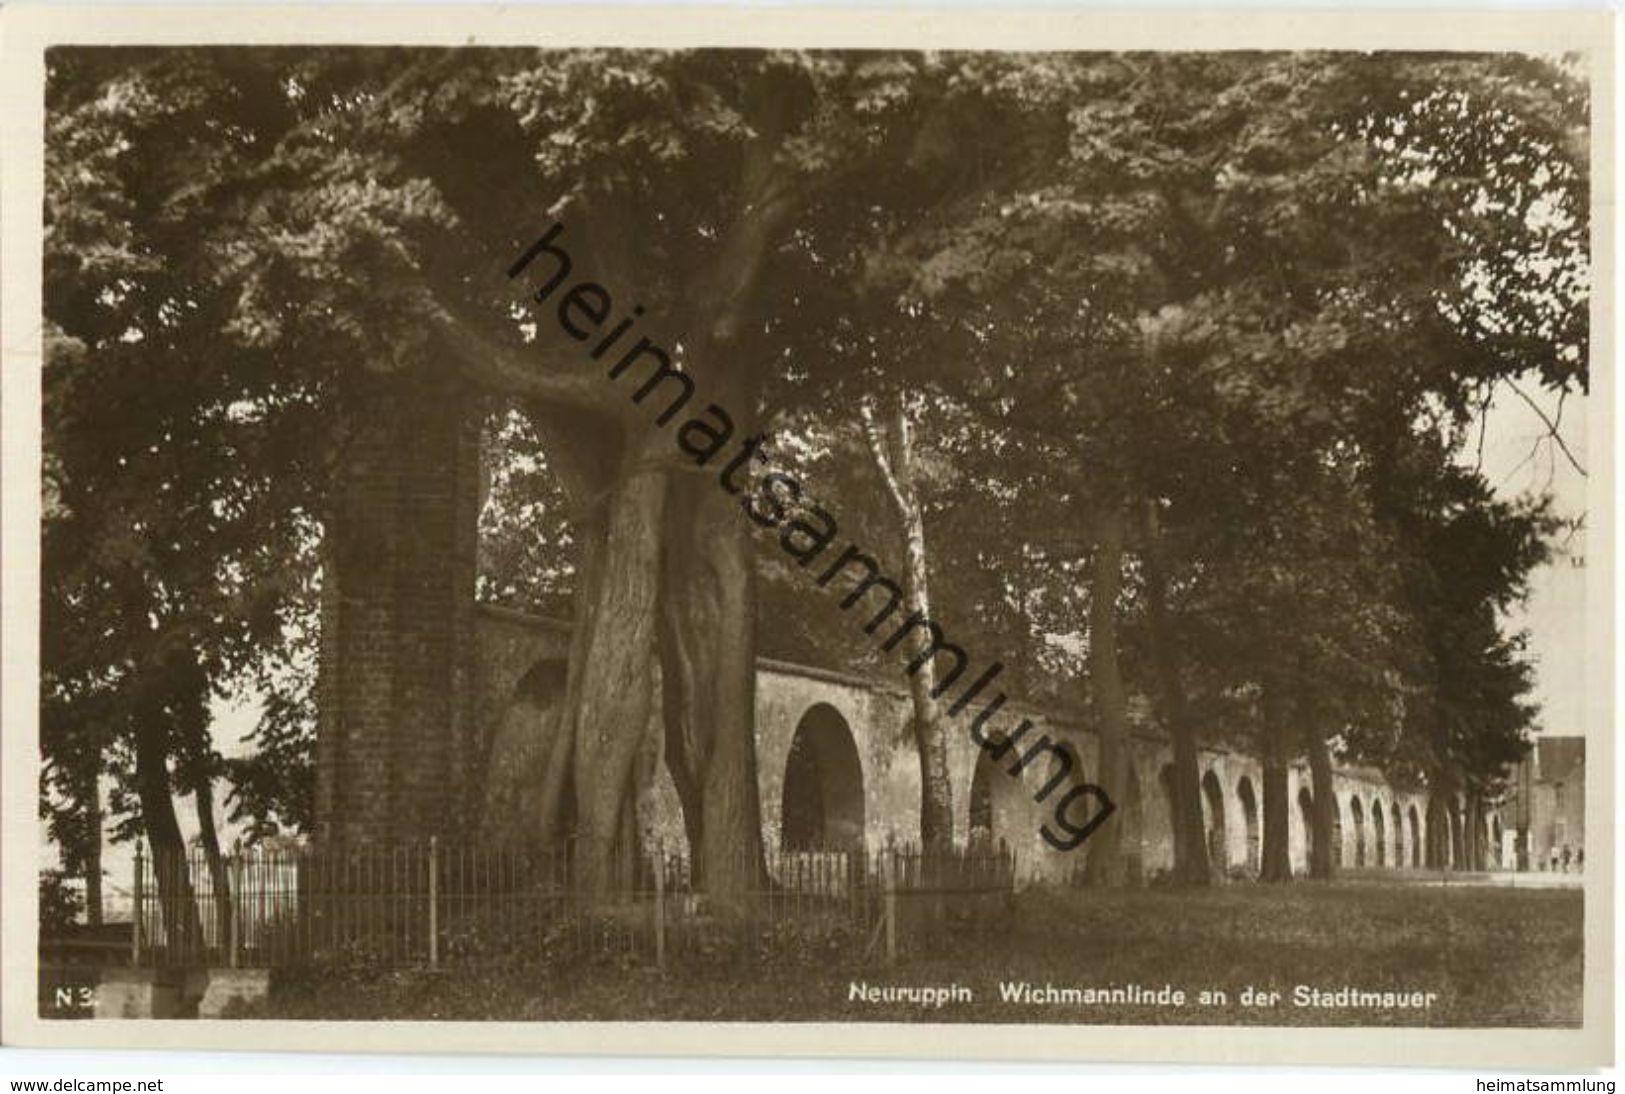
x=433 y=903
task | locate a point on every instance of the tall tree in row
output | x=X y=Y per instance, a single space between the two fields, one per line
x=889 y=435
x=1216 y=199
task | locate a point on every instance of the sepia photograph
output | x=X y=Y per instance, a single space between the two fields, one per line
x=841 y=535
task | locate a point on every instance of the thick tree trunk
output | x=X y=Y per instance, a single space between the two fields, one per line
x=585 y=452
x=169 y=866
x=708 y=632
x=672 y=573
x=686 y=754
x=1275 y=863
x=892 y=449
x=556 y=814
x=617 y=497
x=666 y=571
x=609 y=695
x=708 y=672
x=1105 y=866
x=220 y=881
x=1191 y=865
x=1323 y=857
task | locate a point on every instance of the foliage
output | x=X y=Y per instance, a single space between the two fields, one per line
x=60 y=903
x=1261 y=275
x=527 y=549
x=181 y=472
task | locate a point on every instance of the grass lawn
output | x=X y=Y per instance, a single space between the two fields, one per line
x=1494 y=957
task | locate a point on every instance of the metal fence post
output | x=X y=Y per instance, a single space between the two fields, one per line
x=434 y=902
x=888 y=878
x=660 y=906
x=138 y=911
x=234 y=933
x=854 y=865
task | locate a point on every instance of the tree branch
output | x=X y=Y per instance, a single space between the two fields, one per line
x=549 y=376
x=1551 y=426
x=888 y=472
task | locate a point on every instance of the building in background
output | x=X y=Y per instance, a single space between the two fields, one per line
x=1549 y=804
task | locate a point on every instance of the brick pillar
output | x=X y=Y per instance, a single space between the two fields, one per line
x=395 y=692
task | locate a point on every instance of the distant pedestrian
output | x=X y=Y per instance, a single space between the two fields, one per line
x=1566 y=854
x=1580 y=860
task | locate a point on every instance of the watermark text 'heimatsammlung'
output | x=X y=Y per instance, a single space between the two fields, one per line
x=808 y=532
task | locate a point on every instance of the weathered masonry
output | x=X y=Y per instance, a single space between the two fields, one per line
x=432 y=708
